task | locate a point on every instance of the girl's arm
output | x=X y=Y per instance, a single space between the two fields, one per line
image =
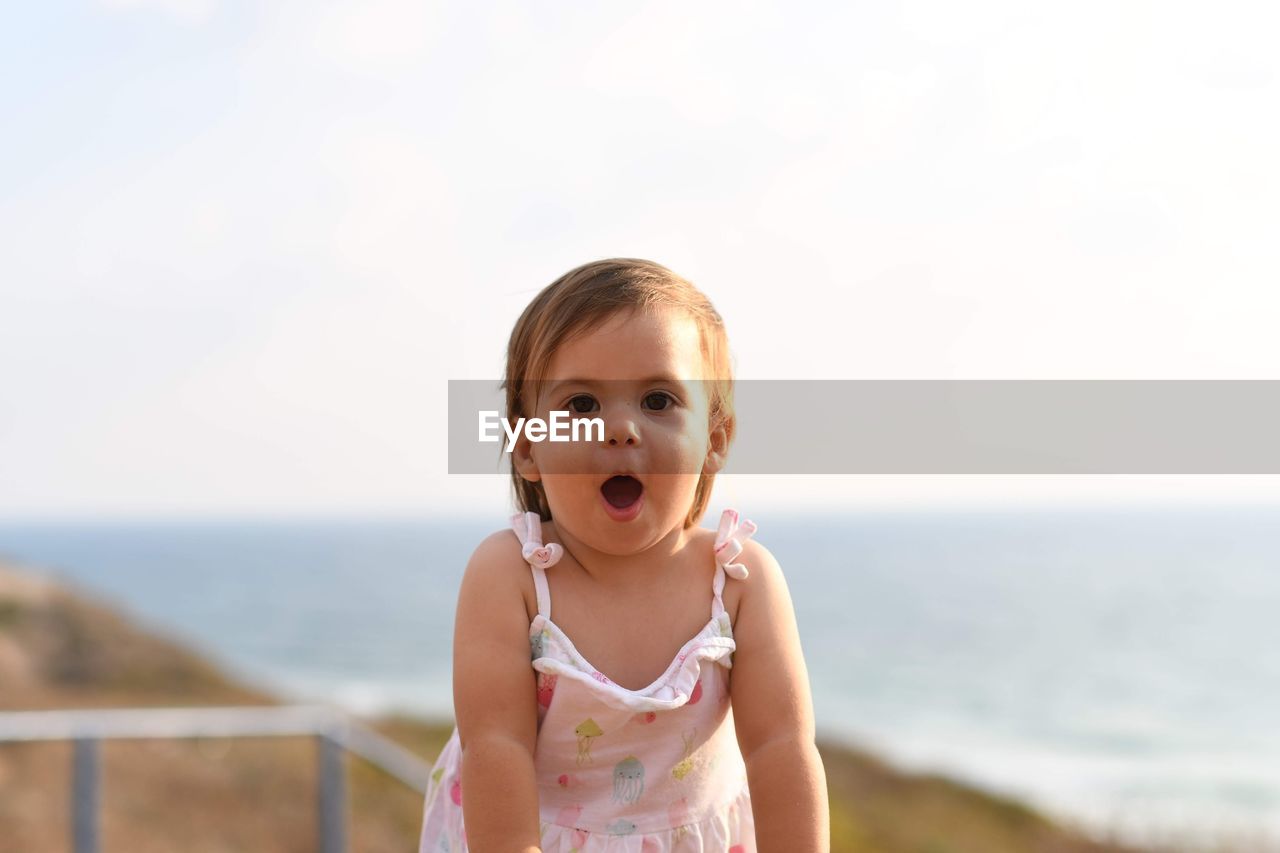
x=495 y=702
x=773 y=715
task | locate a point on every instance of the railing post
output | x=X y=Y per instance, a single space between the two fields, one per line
x=332 y=805
x=335 y=736
x=84 y=795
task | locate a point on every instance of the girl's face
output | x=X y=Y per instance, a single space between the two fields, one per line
x=642 y=373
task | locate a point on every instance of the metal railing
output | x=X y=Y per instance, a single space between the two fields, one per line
x=334 y=732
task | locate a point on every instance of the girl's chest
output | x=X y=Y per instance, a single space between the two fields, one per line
x=633 y=645
x=632 y=649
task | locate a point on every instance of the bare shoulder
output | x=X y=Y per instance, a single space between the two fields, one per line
x=496 y=548
x=764 y=575
x=499 y=542
x=765 y=585
x=497 y=564
x=756 y=557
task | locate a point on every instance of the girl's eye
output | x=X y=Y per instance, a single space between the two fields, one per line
x=659 y=400
x=581 y=404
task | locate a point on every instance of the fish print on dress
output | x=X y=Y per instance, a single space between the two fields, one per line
x=621 y=826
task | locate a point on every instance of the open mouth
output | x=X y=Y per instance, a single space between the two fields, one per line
x=622 y=491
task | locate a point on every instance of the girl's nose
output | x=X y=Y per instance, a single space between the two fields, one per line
x=621 y=429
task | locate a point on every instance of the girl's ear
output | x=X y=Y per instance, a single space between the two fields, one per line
x=522 y=459
x=718 y=446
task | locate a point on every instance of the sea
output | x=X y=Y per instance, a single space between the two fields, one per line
x=1118 y=669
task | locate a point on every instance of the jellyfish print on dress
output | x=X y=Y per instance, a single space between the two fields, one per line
x=685 y=765
x=586 y=731
x=628 y=780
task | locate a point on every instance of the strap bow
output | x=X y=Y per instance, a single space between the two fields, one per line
x=528 y=526
x=729 y=539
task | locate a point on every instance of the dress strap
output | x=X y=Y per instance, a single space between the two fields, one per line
x=528 y=528
x=729 y=538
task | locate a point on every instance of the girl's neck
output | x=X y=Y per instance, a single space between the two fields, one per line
x=624 y=571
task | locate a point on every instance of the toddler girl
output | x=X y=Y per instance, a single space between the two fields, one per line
x=663 y=709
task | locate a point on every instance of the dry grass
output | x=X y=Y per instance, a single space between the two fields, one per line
x=877 y=808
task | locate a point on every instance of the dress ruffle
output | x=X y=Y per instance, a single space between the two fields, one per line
x=555 y=654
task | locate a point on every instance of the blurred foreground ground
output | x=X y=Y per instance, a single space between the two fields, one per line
x=60 y=649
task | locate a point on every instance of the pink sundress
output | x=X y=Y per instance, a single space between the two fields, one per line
x=646 y=771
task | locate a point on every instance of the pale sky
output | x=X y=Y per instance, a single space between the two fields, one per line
x=247 y=244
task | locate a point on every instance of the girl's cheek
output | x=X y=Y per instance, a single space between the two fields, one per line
x=688 y=455
x=678 y=448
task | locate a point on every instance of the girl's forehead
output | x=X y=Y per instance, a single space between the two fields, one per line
x=641 y=344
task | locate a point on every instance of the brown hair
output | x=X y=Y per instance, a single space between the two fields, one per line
x=585 y=298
